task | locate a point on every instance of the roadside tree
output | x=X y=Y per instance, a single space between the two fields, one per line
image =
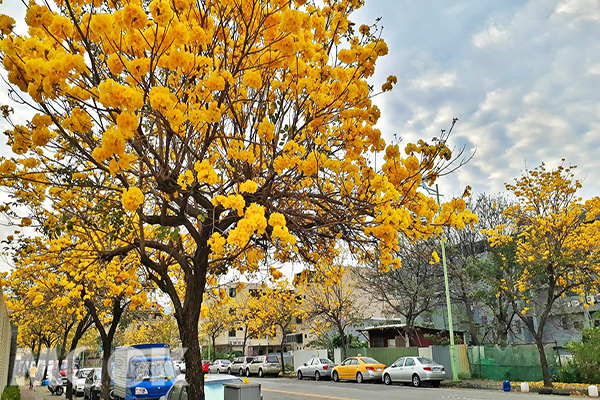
x=229 y=130
x=557 y=239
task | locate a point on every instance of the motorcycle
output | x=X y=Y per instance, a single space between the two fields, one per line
x=56 y=386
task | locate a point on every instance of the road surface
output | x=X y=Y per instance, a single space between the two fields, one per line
x=288 y=389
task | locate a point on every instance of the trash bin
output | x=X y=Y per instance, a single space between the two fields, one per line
x=242 y=391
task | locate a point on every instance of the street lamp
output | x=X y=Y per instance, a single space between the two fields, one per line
x=448 y=305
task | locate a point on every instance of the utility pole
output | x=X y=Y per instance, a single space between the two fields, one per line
x=448 y=304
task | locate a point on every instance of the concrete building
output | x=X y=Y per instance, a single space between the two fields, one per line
x=5 y=343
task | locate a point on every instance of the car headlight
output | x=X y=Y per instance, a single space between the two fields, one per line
x=141 y=390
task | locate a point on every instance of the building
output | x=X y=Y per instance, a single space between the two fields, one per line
x=5 y=343
x=396 y=335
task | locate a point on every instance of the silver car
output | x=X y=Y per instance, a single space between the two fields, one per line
x=264 y=365
x=315 y=368
x=219 y=366
x=414 y=370
x=239 y=364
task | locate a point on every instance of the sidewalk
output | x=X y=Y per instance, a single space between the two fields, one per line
x=38 y=393
x=573 y=389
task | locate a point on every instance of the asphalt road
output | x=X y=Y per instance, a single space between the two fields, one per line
x=288 y=389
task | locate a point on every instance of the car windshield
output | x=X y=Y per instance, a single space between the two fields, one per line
x=425 y=361
x=147 y=370
x=83 y=373
x=272 y=359
x=325 y=361
x=369 y=360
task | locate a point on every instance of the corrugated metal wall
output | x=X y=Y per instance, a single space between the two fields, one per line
x=5 y=340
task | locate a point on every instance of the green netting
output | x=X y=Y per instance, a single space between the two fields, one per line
x=515 y=363
x=385 y=355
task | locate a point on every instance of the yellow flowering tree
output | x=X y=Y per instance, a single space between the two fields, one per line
x=557 y=239
x=228 y=130
x=161 y=329
x=330 y=300
x=276 y=308
x=217 y=316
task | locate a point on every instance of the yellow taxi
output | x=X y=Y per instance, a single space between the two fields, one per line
x=359 y=369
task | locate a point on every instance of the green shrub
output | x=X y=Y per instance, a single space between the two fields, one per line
x=11 y=393
x=568 y=374
x=585 y=367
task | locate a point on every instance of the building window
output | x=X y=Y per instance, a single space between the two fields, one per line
x=484 y=320
x=305 y=336
x=378 y=342
x=298 y=320
x=232 y=333
x=232 y=292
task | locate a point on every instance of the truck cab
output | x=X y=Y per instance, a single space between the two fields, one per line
x=143 y=372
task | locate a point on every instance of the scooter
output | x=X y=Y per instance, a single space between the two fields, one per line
x=56 y=386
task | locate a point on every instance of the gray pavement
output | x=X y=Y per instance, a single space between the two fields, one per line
x=287 y=389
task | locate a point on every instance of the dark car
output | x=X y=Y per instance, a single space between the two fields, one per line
x=214 y=388
x=93 y=385
x=238 y=366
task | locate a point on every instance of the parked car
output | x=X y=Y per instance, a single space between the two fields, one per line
x=414 y=370
x=179 y=366
x=316 y=368
x=239 y=365
x=264 y=365
x=219 y=366
x=93 y=385
x=205 y=366
x=79 y=382
x=359 y=369
x=214 y=387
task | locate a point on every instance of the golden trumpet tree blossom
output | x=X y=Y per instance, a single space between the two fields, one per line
x=217 y=132
x=556 y=239
x=329 y=298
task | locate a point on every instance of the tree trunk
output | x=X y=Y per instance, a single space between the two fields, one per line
x=543 y=362
x=473 y=331
x=281 y=352
x=244 y=342
x=82 y=326
x=106 y=351
x=344 y=341
x=214 y=347
x=187 y=321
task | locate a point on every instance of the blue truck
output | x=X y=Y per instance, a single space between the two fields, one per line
x=143 y=371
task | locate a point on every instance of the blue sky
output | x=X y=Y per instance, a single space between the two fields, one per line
x=523 y=77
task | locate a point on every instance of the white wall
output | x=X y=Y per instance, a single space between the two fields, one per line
x=5 y=336
x=302 y=356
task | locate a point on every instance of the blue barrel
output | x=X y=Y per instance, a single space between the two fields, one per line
x=45 y=382
x=506 y=386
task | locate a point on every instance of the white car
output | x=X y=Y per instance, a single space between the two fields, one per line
x=414 y=370
x=219 y=366
x=180 y=365
x=79 y=382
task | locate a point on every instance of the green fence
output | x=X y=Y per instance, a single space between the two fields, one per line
x=385 y=355
x=515 y=363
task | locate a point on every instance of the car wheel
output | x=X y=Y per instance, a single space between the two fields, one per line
x=248 y=372
x=436 y=384
x=359 y=377
x=241 y=372
x=300 y=375
x=416 y=381
x=260 y=373
x=335 y=376
x=229 y=371
x=218 y=371
x=317 y=376
x=112 y=394
x=387 y=379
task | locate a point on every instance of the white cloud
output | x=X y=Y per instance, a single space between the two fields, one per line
x=580 y=10
x=491 y=36
x=434 y=80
